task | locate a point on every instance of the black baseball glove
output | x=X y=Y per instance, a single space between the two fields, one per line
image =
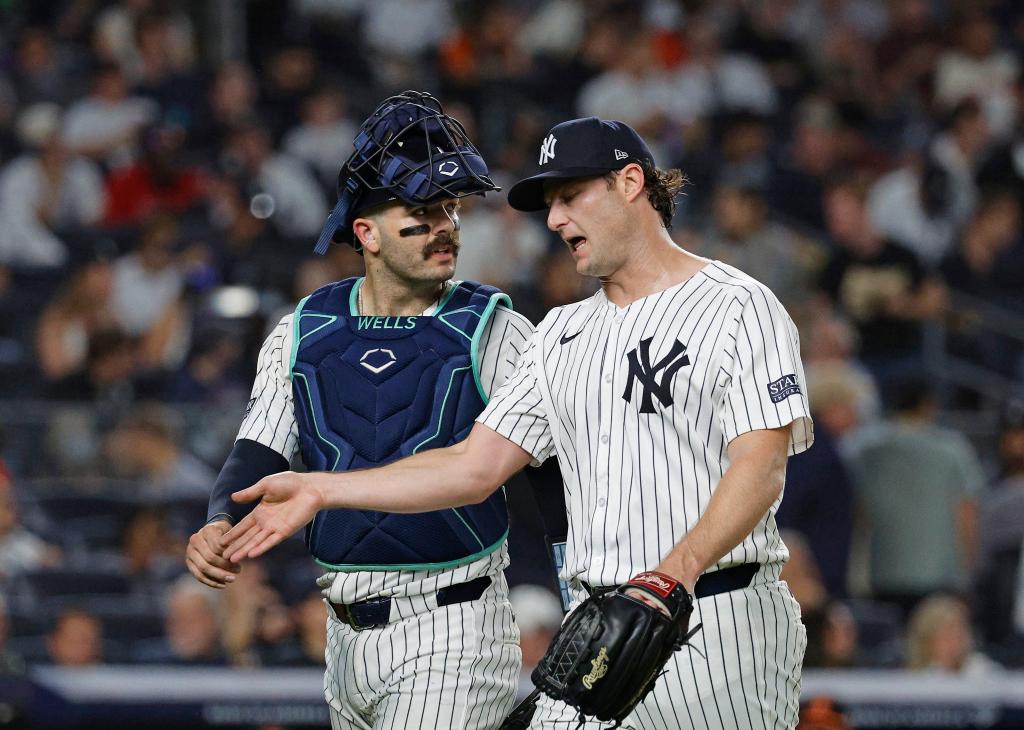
x=611 y=649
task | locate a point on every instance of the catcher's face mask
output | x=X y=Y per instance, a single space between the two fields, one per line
x=407 y=150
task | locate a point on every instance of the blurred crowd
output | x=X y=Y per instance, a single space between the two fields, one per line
x=165 y=168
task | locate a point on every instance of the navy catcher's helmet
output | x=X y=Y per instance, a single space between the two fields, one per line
x=407 y=150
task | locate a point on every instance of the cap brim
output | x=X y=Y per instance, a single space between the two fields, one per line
x=528 y=195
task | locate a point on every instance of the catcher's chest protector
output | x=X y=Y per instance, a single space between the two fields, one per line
x=371 y=390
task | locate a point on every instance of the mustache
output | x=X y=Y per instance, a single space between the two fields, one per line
x=442 y=240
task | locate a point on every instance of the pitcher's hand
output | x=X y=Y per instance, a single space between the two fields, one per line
x=288 y=501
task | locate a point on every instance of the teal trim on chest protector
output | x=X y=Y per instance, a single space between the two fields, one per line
x=345 y=568
x=316 y=425
x=353 y=297
x=296 y=338
x=440 y=416
x=474 y=345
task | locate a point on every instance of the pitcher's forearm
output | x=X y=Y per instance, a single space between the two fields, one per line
x=747 y=490
x=419 y=483
x=465 y=473
x=741 y=500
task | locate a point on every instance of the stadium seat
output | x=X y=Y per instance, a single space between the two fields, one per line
x=185 y=515
x=61 y=583
x=27 y=623
x=87 y=521
x=879 y=632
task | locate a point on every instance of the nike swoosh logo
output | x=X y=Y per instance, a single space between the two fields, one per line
x=568 y=338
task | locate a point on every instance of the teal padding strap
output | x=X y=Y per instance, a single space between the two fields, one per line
x=353 y=297
x=444 y=300
x=295 y=332
x=474 y=348
x=348 y=568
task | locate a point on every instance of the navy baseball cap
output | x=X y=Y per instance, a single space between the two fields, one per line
x=579 y=148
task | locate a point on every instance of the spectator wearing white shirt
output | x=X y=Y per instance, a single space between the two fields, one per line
x=406 y=28
x=712 y=81
x=20 y=549
x=44 y=192
x=146 y=298
x=283 y=188
x=924 y=206
x=979 y=69
x=631 y=89
x=910 y=205
x=105 y=124
x=324 y=136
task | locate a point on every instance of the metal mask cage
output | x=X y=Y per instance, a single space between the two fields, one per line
x=411 y=148
x=413 y=151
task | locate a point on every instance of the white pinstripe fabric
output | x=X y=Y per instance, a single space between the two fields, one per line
x=636 y=482
x=453 y=667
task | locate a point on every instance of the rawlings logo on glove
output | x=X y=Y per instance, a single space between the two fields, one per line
x=661 y=584
x=598 y=668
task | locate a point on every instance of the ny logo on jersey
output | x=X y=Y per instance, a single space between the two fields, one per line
x=640 y=369
x=547 y=149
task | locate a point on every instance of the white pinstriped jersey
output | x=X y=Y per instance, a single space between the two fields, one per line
x=270 y=421
x=640 y=403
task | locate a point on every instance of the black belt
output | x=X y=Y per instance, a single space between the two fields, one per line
x=376 y=612
x=709 y=584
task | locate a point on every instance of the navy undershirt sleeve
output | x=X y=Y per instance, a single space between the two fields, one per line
x=247 y=463
x=546 y=481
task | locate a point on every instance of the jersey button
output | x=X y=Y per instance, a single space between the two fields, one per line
x=604 y=438
x=602 y=502
x=608 y=378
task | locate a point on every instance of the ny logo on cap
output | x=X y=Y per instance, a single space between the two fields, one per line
x=547 y=149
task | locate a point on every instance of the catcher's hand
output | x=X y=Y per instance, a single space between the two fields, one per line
x=611 y=649
x=205 y=557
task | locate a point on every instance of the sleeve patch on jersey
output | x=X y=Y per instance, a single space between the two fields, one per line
x=779 y=390
x=248 y=408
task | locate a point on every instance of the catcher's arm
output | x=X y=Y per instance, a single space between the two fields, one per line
x=465 y=473
x=753 y=481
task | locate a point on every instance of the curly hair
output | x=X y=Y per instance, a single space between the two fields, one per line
x=661 y=186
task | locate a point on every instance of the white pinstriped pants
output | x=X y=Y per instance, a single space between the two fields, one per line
x=749 y=677
x=454 y=667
